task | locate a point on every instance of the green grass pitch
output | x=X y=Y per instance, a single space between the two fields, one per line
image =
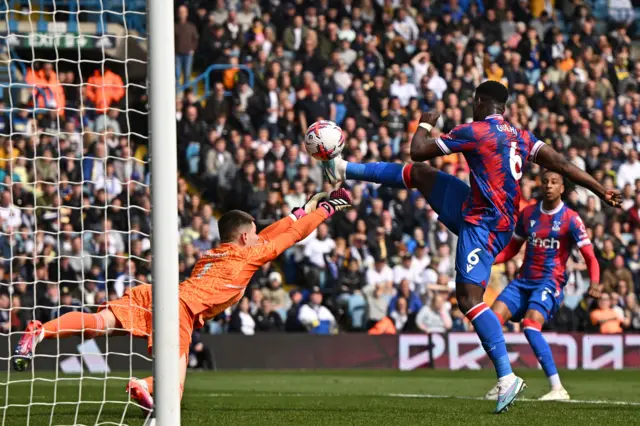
x=333 y=398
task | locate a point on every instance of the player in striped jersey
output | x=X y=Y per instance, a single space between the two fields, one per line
x=550 y=230
x=484 y=214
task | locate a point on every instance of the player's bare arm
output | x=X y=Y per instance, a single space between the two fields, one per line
x=423 y=146
x=552 y=160
x=512 y=249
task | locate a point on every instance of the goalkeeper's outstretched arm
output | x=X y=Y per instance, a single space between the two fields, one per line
x=301 y=229
x=282 y=225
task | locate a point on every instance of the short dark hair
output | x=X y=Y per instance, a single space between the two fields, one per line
x=231 y=222
x=493 y=91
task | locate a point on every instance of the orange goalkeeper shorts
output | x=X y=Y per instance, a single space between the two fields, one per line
x=133 y=312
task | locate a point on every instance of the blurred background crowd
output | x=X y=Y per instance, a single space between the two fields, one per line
x=75 y=209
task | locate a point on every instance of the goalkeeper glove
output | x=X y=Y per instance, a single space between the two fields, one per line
x=312 y=204
x=333 y=205
x=341 y=193
x=309 y=206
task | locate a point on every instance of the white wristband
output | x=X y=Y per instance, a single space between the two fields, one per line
x=426 y=126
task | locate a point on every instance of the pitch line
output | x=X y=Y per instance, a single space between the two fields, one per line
x=424 y=396
x=477 y=398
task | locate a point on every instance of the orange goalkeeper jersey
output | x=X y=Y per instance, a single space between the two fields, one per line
x=221 y=275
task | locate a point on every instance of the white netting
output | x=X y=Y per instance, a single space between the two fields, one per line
x=74 y=200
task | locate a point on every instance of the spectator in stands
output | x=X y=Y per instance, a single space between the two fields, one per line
x=255 y=301
x=105 y=90
x=629 y=171
x=632 y=312
x=351 y=278
x=9 y=213
x=406 y=271
x=186 y=39
x=241 y=319
x=5 y=313
x=267 y=319
x=67 y=303
x=411 y=298
x=199 y=353
x=380 y=274
x=51 y=93
x=435 y=317
x=607 y=319
x=403 y=320
x=293 y=323
x=316 y=247
x=279 y=298
x=315 y=317
x=615 y=274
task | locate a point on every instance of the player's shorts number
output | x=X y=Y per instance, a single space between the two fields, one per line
x=546 y=292
x=515 y=161
x=473 y=258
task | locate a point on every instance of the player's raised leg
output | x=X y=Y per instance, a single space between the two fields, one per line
x=388 y=174
x=71 y=324
x=532 y=325
x=445 y=193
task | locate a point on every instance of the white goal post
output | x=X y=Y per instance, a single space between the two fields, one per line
x=162 y=99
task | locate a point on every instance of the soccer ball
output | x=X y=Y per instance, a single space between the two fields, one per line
x=324 y=140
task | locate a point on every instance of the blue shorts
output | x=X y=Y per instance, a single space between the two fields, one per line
x=478 y=246
x=522 y=295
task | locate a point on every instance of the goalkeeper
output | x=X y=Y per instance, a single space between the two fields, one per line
x=218 y=281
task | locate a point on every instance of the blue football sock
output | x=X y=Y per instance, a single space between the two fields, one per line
x=540 y=347
x=388 y=174
x=489 y=330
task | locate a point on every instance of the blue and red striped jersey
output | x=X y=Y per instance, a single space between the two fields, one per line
x=550 y=236
x=495 y=152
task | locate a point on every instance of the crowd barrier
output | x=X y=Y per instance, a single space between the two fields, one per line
x=452 y=351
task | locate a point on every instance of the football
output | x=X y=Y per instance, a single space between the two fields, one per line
x=324 y=140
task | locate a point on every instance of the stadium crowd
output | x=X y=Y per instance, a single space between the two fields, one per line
x=373 y=67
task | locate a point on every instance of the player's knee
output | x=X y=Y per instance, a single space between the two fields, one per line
x=532 y=324
x=534 y=318
x=468 y=296
x=422 y=176
x=499 y=315
x=501 y=311
x=422 y=172
x=467 y=301
x=109 y=320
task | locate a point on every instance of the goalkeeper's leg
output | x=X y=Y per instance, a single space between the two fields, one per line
x=141 y=390
x=71 y=324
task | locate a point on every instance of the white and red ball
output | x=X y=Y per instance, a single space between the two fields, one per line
x=324 y=140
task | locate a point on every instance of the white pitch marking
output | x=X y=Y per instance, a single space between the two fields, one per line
x=426 y=396
x=477 y=398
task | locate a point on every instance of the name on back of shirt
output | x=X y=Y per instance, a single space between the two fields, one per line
x=507 y=129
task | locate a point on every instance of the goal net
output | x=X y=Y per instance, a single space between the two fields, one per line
x=74 y=202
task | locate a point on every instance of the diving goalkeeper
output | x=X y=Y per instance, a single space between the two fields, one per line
x=218 y=281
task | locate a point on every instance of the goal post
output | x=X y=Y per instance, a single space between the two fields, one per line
x=164 y=189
